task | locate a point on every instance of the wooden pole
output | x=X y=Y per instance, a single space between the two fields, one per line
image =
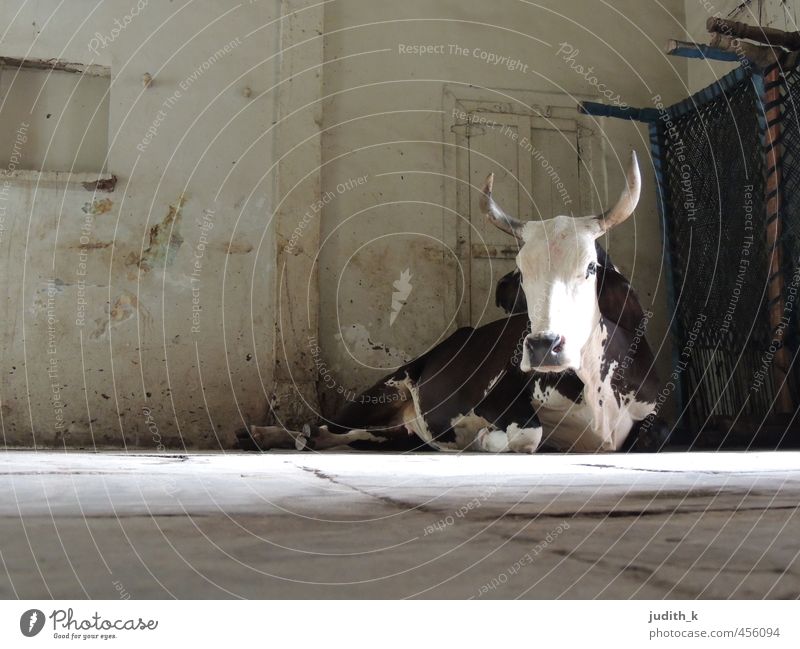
x=780 y=361
x=760 y=55
x=768 y=35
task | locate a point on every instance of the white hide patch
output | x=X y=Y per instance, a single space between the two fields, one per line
x=598 y=422
x=568 y=426
x=617 y=418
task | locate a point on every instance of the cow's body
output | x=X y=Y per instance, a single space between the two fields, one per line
x=570 y=369
x=469 y=393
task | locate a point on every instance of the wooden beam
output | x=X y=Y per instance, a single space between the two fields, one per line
x=55 y=64
x=767 y=35
x=759 y=55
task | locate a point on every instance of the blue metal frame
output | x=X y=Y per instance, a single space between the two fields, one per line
x=701 y=51
x=656 y=149
x=604 y=110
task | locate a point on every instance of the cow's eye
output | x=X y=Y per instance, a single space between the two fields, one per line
x=591 y=269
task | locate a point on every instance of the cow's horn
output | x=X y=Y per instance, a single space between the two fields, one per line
x=627 y=202
x=496 y=215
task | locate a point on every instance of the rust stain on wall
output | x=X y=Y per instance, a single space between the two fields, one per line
x=164 y=242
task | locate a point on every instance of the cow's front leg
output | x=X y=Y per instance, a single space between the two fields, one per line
x=321 y=438
x=265 y=438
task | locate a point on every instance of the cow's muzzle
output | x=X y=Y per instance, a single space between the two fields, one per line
x=544 y=352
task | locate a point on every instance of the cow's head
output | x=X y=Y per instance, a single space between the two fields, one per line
x=558 y=263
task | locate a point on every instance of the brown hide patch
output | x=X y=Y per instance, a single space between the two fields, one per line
x=617 y=300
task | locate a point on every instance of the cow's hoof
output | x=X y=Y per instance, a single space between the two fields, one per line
x=301 y=441
x=266 y=438
x=524 y=440
x=492 y=441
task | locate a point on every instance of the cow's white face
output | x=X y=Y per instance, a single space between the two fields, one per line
x=557 y=260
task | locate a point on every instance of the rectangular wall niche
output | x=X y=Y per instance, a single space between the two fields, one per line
x=53 y=119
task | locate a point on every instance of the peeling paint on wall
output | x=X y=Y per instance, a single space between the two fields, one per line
x=101 y=185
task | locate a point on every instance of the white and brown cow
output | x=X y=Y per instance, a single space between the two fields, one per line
x=568 y=370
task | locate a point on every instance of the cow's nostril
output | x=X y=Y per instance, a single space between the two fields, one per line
x=541 y=348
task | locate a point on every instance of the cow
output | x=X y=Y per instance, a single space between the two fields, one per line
x=569 y=369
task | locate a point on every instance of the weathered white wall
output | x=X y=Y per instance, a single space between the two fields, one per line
x=188 y=227
x=781 y=14
x=383 y=115
x=244 y=148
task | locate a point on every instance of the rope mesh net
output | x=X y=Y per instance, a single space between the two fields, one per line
x=713 y=175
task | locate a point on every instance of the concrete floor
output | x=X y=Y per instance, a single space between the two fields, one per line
x=290 y=525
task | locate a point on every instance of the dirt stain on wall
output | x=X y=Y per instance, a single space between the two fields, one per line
x=238 y=247
x=124 y=308
x=96 y=208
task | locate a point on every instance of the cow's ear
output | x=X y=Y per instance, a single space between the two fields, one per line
x=492 y=211
x=509 y=295
x=616 y=298
x=627 y=201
